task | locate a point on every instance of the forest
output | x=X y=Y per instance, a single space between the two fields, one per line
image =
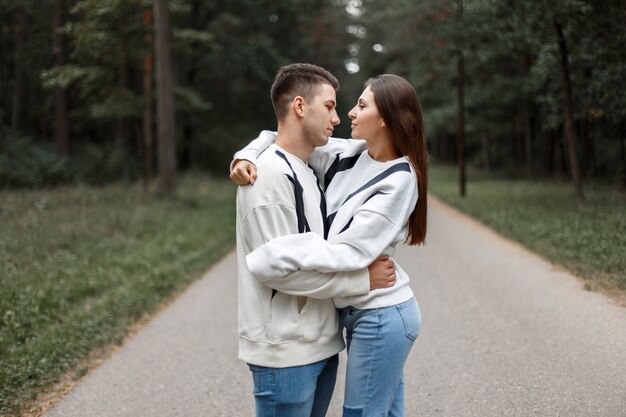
x=530 y=89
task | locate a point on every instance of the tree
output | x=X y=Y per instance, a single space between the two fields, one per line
x=461 y=111
x=148 y=67
x=568 y=108
x=165 y=98
x=60 y=106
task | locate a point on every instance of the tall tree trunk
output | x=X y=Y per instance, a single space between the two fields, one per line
x=487 y=148
x=61 y=138
x=528 y=144
x=148 y=66
x=165 y=98
x=120 y=125
x=589 y=149
x=460 y=146
x=548 y=151
x=461 y=113
x=526 y=121
x=18 y=78
x=568 y=110
x=622 y=133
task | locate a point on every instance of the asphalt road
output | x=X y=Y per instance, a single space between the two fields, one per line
x=504 y=333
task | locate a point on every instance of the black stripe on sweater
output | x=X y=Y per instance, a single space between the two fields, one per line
x=339 y=165
x=352 y=218
x=403 y=166
x=303 y=224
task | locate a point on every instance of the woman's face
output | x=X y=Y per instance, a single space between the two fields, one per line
x=367 y=122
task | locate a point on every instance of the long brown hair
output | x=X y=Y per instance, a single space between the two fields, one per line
x=400 y=108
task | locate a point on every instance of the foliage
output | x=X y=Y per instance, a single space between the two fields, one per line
x=79 y=265
x=226 y=54
x=25 y=163
x=514 y=91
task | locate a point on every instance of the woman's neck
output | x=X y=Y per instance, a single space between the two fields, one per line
x=382 y=149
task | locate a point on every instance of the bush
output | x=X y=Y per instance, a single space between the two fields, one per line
x=102 y=164
x=24 y=163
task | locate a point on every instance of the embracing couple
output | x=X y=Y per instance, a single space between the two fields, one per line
x=316 y=231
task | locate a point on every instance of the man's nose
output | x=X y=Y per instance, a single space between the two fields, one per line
x=335 y=119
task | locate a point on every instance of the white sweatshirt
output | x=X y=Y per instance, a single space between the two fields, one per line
x=368 y=207
x=289 y=320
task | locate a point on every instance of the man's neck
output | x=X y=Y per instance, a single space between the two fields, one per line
x=293 y=142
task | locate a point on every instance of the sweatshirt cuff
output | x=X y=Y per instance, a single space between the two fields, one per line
x=258 y=264
x=361 y=282
x=248 y=155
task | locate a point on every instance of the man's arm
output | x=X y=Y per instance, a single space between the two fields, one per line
x=266 y=222
x=381 y=274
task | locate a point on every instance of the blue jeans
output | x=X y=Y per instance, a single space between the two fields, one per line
x=379 y=341
x=298 y=391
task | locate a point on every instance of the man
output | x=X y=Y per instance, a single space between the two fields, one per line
x=289 y=331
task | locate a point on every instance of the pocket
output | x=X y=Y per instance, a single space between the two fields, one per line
x=285 y=318
x=318 y=319
x=411 y=318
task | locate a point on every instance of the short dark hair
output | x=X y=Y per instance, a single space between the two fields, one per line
x=298 y=80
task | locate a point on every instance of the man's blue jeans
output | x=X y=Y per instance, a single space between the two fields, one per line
x=379 y=341
x=298 y=391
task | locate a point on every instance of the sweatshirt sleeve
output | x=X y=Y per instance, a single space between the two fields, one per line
x=323 y=157
x=267 y=222
x=252 y=150
x=376 y=225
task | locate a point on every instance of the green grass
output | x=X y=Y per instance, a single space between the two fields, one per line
x=587 y=237
x=79 y=265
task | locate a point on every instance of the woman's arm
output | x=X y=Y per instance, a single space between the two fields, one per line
x=255 y=148
x=243 y=165
x=376 y=225
x=324 y=157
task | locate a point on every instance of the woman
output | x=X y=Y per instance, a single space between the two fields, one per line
x=371 y=190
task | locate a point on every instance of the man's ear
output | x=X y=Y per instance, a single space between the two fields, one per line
x=298 y=106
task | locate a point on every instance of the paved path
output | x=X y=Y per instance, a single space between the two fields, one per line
x=504 y=334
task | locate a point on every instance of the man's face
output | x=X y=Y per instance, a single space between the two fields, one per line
x=320 y=116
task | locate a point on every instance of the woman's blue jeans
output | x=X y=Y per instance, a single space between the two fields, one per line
x=297 y=391
x=379 y=341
